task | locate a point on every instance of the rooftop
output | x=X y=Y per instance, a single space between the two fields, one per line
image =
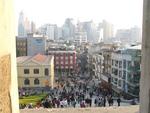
x=44 y=59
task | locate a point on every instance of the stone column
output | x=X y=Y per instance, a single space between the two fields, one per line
x=145 y=67
x=8 y=71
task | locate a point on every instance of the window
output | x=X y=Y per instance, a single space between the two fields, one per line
x=26 y=81
x=57 y=58
x=119 y=83
x=115 y=80
x=26 y=71
x=71 y=57
x=36 y=71
x=62 y=57
x=120 y=64
x=124 y=64
x=115 y=71
x=124 y=74
x=129 y=64
x=71 y=62
x=46 y=71
x=112 y=62
x=120 y=74
x=66 y=62
x=36 y=81
x=116 y=63
x=62 y=62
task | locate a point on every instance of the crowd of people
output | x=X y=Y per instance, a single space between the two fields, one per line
x=75 y=93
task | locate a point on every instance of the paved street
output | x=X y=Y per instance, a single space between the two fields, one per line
x=127 y=109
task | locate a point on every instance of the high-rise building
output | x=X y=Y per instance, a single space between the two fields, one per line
x=21 y=27
x=123 y=35
x=68 y=29
x=90 y=28
x=36 y=44
x=136 y=35
x=27 y=25
x=50 y=30
x=80 y=35
x=107 y=30
x=59 y=33
x=129 y=36
x=33 y=27
x=30 y=45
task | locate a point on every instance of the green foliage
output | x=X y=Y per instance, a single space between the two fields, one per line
x=32 y=99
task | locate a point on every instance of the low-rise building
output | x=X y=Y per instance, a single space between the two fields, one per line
x=98 y=65
x=80 y=38
x=21 y=46
x=35 y=71
x=64 y=61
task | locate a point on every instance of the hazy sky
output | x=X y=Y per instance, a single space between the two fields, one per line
x=121 y=13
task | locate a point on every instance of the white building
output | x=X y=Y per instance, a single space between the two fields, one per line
x=50 y=30
x=98 y=61
x=80 y=38
x=129 y=36
x=107 y=30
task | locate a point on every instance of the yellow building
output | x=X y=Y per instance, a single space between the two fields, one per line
x=35 y=71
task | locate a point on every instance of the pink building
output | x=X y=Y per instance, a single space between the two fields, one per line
x=64 y=61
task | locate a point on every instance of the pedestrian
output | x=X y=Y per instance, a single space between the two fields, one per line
x=104 y=101
x=112 y=101
x=109 y=101
x=118 y=101
x=95 y=102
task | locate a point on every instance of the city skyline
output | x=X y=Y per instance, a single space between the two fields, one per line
x=128 y=15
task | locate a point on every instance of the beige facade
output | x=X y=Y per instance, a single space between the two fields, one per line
x=35 y=71
x=9 y=102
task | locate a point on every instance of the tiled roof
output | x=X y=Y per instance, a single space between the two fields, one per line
x=40 y=58
x=22 y=59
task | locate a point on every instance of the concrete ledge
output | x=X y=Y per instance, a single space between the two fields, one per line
x=115 y=109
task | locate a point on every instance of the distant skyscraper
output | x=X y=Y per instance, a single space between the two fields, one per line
x=99 y=35
x=68 y=29
x=107 y=30
x=33 y=27
x=123 y=35
x=90 y=28
x=129 y=36
x=136 y=34
x=59 y=33
x=50 y=30
x=24 y=26
x=80 y=35
x=21 y=27
x=27 y=25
